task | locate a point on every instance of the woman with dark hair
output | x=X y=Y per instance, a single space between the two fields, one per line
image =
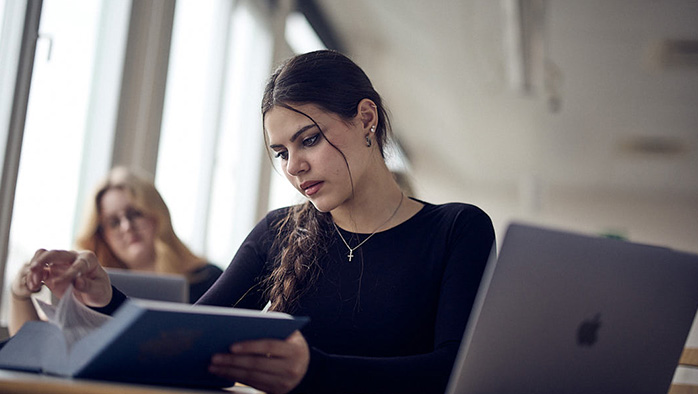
x=387 y=280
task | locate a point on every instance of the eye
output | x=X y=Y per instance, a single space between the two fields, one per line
x=283 y=155
x=133 y=214
x=312 y=140
x=113 y=222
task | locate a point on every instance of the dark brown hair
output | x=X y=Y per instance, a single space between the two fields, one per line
x=334 y=83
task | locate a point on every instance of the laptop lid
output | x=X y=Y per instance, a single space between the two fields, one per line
x=150 y=286
x=565 y=313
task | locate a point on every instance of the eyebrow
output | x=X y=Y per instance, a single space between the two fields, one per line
x=295 y=135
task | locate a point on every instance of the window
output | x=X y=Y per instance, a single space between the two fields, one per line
x=72 y=97
x=211 y=163
x=240 y=154
x=211 y=143
x=212 y=157
x=11 y=13
x=300 y=34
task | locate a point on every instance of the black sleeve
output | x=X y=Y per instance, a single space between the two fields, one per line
x=201 y=280
x=240 y=284
x=117 y=299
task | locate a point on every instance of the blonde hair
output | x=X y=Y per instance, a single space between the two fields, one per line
x=172 y=256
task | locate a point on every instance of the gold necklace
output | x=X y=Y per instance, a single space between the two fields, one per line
x=351 y=250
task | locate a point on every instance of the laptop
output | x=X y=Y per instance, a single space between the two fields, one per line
x=559 y=312
x=149 y=285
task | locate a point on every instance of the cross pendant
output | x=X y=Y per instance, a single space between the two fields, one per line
x=350 y=255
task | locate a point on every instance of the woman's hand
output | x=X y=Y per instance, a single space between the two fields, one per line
x=57 y=269
x=271 y=365
x=20 y=288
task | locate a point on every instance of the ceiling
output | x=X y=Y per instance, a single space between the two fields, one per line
x=604 y=110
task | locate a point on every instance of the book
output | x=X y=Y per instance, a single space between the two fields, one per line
x=148 y=342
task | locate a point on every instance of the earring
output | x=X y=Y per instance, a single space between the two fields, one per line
x=368 y=141
x=373 y=129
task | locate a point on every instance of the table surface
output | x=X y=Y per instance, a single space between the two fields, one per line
x=13 y=382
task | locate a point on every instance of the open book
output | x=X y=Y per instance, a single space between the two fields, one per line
x=151 y=342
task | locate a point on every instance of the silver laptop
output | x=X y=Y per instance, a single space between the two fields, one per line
x=150 y=286
x=564 y=313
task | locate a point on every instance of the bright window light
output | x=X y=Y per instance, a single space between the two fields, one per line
x=59 y=105
x=190 y=115
x=221 y=56
x=301 y=37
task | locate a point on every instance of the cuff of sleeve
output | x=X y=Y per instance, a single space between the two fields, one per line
x=117 y=299
x=315 y=373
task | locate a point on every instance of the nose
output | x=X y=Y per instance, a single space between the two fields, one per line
x=125 y=224
x=296 y=164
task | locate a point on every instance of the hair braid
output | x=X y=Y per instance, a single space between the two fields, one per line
x=301 y=240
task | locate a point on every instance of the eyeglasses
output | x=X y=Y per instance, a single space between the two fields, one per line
x=132 y=215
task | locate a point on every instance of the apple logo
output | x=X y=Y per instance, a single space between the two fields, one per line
x=587 y=333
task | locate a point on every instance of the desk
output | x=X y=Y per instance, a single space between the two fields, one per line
x=12 y=382
x=686 y=376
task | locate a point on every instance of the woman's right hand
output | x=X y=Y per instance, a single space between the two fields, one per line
x=57 y=269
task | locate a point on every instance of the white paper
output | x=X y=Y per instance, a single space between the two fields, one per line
x=73 y=318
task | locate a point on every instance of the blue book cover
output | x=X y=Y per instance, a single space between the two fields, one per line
x=150 y=342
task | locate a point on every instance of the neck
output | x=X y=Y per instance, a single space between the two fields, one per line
x=370 y=213
x=142 y=264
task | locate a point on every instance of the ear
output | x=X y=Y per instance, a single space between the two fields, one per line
x=367 y=113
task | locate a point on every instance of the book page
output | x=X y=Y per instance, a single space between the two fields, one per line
x=73 y=318
x=28 y=349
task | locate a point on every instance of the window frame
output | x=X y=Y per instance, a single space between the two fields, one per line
x=17 y=118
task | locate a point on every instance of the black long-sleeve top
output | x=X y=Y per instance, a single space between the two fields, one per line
x=391 y=320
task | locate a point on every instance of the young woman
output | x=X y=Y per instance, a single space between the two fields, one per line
x=387 y=280
x=127 y=225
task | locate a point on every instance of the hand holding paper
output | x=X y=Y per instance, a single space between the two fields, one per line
x=58 y=269
x=149 y=342
x=74 y=319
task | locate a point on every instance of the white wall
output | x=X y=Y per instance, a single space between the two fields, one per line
x=666 y=220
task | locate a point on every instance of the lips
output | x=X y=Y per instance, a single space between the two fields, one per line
x=133 y=239
x=311 y=187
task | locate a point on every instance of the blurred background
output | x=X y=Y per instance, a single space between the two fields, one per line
x=581 y=115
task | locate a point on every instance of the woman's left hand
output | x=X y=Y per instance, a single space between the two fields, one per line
x=271 y=365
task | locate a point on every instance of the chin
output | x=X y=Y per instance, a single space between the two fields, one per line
x=324 y=208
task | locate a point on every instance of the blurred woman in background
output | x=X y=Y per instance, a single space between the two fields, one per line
x=128 y=226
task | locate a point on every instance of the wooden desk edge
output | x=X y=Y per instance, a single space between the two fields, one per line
x=683 y=389
x=13 y=382
x=689 y=357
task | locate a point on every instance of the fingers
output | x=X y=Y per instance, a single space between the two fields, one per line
x=51 y=267
x=58 y=269
x=36 y=271
x=292 y=347
x=89 y=279
x=62 y=265
x=266 y=348
x=268 y=374
x=20 y=287
x=49 y=257
x=270 y=365
x=81 y=265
